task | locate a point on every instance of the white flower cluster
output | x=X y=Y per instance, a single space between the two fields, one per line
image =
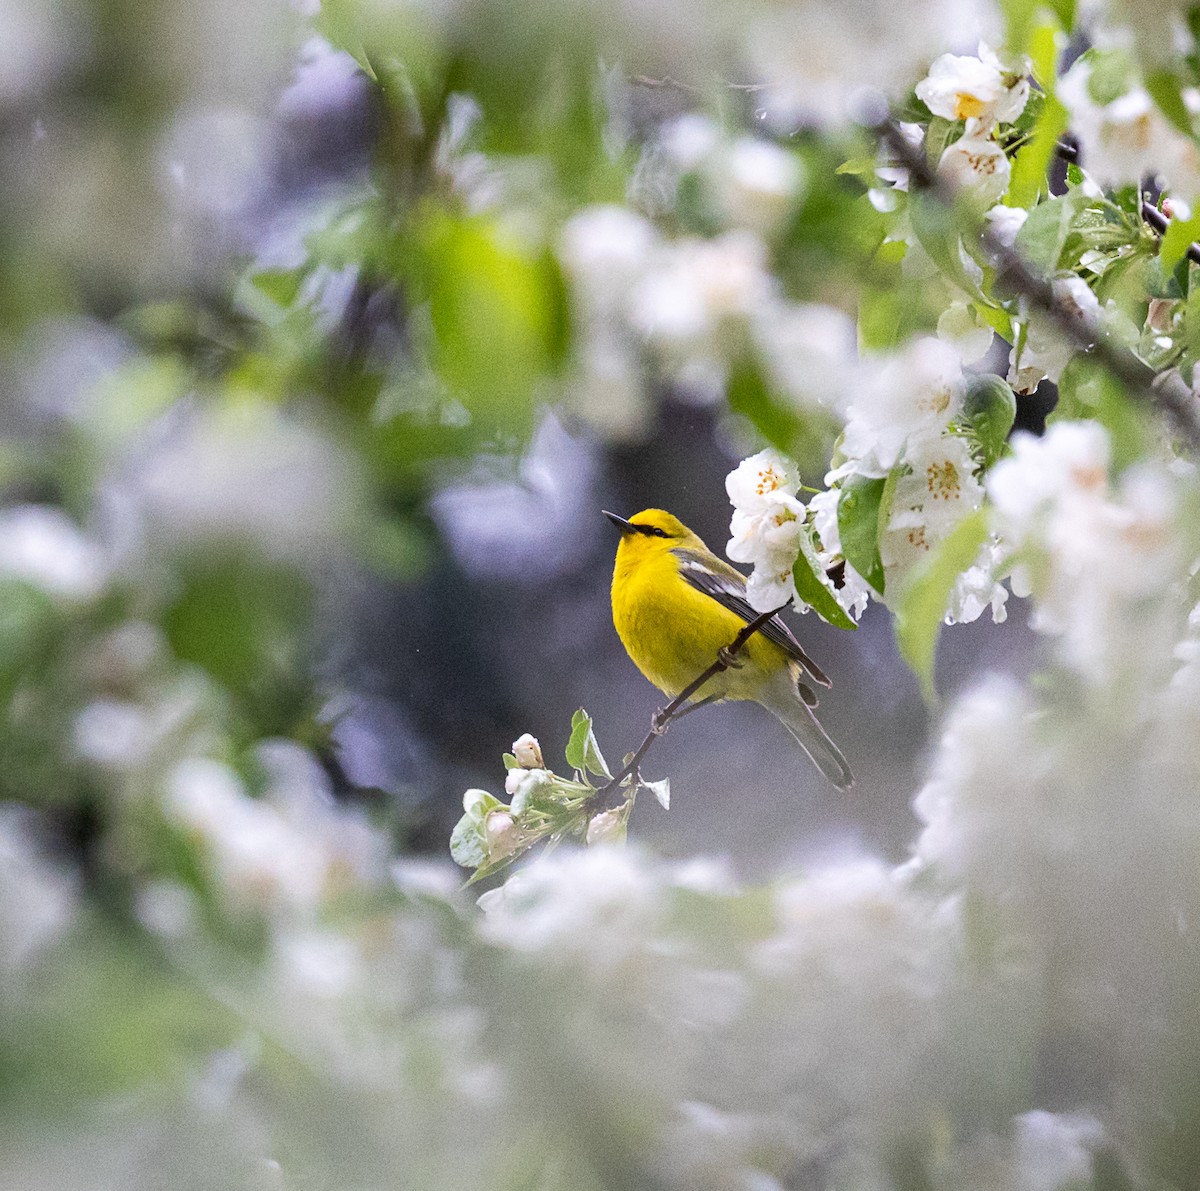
x=768 y=521
x=288 y=852
x=778 y=1036
x=695 y=305
x=984 y=92
x=1124 y=138
x=828 y=64
x=1093 y=557
x=899 y=422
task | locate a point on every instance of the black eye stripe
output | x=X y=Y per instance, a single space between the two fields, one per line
x=649 y=530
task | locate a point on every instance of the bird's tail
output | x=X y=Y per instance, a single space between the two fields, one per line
x=785 y=703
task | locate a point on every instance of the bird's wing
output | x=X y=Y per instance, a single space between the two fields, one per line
x=728 y=587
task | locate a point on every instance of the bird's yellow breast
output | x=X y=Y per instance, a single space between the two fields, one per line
x=672 y=631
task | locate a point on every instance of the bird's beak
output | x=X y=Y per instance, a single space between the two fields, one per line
x=620 y=522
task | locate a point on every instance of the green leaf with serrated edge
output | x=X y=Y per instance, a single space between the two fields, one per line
x=858 y=527
x=661 y=790
x=583 y=753
x=467 y=845
x=991 y=408
x=922 y=605
x=1167 y=92
x=1177 y=239
x=1042 y=236
x=811 y=588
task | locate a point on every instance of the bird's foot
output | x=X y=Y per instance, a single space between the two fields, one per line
x=730 y=661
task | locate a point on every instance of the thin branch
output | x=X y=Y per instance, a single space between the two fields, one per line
x=661 y=720
x=1165 y=391
x=1157 y=219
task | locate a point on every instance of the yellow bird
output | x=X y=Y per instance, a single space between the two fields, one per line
x=676 y=604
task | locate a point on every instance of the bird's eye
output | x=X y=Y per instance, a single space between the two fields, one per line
x=659 y=533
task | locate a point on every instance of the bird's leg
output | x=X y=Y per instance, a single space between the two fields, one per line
x=729 y=661
x=688 y=708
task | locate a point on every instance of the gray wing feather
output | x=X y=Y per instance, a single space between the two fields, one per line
x=728 y=588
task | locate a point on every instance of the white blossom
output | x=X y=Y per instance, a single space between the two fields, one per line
x=1128 y=138
x=1045 y=351
x=37 y=896
x=978 y=90
x=697 y=288
x=915 y=392
x=767 y=522
x=959 y=326
x=855 y=592
x=978 y=165
x=1005 y=222
x=528 y=752
x=604 y=250
x=759 y=183
x=810 y=352
x=42 y=546
x=822 y=64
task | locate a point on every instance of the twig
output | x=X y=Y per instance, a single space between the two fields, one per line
x=1166 y=390
x=1157 y=219
x=661 y=720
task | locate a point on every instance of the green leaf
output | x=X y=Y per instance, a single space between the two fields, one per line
x=750 y=396
x=922 y=605
x=1167 y=91
x=858 y=527
x=813 y=589
x=1033 y=159
x=991 y=408
x=1177 y=239
x=467 y=844
x=495 y=307
x=661 y=790
x=936 y=229
x=477 y=804
x=583 y=753
x=1111 y=74
x=510 y=762
x=1043 y=235
x=1018 y=19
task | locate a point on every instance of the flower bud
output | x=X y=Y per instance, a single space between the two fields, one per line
x=528 y=752
x=608 y=827
x=522 y=784
x=501 y=834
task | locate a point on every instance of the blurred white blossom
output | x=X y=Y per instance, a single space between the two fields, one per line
x=43 y=547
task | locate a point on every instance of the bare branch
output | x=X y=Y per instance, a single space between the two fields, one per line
x=661 y=720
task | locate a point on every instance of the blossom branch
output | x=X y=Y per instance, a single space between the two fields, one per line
x=662 y=718
x=1166 y=391
x=1157 y=219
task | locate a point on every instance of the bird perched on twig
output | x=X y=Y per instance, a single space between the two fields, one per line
x=677 y=607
